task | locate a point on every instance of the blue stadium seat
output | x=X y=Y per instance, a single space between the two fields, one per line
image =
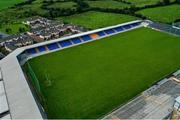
x=76 y=40
x=52 y=46
x=41 y=48
x=118 y=29
x=135 y=24
x=126 y=26
x=31 y=51
x=101 y=34
x=65 y=43
x=86 y=38
x=110 y=31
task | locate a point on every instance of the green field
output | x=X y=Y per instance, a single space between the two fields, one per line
x=8 y=3
x=64 y=5
x=111 y=4
x=14 y=28
x=142 y=3
x=13 y=17
x=22 y=12
x=167 y=14
x=35 y=7
x=94 y=20
x=92 y=79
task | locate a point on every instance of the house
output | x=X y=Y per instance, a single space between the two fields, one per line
x=15 y=41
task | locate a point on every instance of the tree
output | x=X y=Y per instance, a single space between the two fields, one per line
x=8 y=30
x=166 y=2
x=178 y=1
x=81 y=5
x=21 y=29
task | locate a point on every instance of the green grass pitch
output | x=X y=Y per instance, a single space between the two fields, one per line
x=90 y=80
